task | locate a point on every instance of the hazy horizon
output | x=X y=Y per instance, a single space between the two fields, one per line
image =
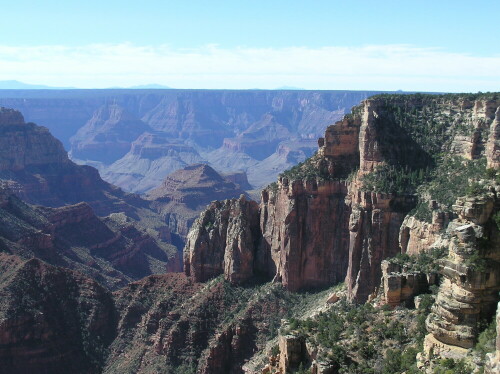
x=446 y=46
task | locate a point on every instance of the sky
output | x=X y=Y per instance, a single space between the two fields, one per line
x=437 y=45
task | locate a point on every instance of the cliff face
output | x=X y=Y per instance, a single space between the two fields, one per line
x=471 y=272
x=26 y=145
x=35 y=166
x=374 y=229
x=224 y=240
x=319 y=227
x=107 y=136
x=304 y=228
x=493 y=359
x=493 y=144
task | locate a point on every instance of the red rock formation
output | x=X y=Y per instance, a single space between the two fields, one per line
x=304 y=228
x=471 y=279
x=113 y=250
x=186 y=192
x=194 y=185
x=317 y=231
x=25 y=145
x=52 y=320
x=223 y=240
x=35 y=166
x=374 y=231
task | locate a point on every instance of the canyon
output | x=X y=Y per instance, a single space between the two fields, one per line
x=383 y=245
x=137 y=137
x=323 y=221
x=67 y=215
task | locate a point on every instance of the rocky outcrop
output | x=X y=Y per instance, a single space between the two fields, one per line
x=186 y=192
x=402 y=285
x=373 y=227
x=239 y=178
x=471 y=272
x=194 y=185
x=224 y=240
x=493 y=144
x=293 y=352
x=416 y=236
x=25 y=145
x=305 y=237
x=319 y=225
x=10 y=117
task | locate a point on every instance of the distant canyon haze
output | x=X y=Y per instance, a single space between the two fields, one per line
x=135 y=138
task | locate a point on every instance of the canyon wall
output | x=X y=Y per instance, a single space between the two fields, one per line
x=471 y=278
x=106 y=128
x=321 y=224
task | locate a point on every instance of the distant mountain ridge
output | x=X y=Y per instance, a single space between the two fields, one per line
x=16 y=85
x=260 y=132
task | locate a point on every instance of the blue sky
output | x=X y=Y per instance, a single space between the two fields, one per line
x=422 y=45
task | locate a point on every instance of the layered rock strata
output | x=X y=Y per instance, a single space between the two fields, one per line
x=319 y=226
x=35 y=166
x=113 y=250
x=471 y=279
x=417 y=236
x=304 y=230
x=52 y=320
x=224 y=240
x=401 y=285
x=184 y=194
x=373 y=229
x=108 y=135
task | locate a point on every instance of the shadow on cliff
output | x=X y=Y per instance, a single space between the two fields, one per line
x=398 y=147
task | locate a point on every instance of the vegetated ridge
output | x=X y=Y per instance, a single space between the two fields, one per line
x=374 y=190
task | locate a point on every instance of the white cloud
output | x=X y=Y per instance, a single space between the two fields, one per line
x=384 y=67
